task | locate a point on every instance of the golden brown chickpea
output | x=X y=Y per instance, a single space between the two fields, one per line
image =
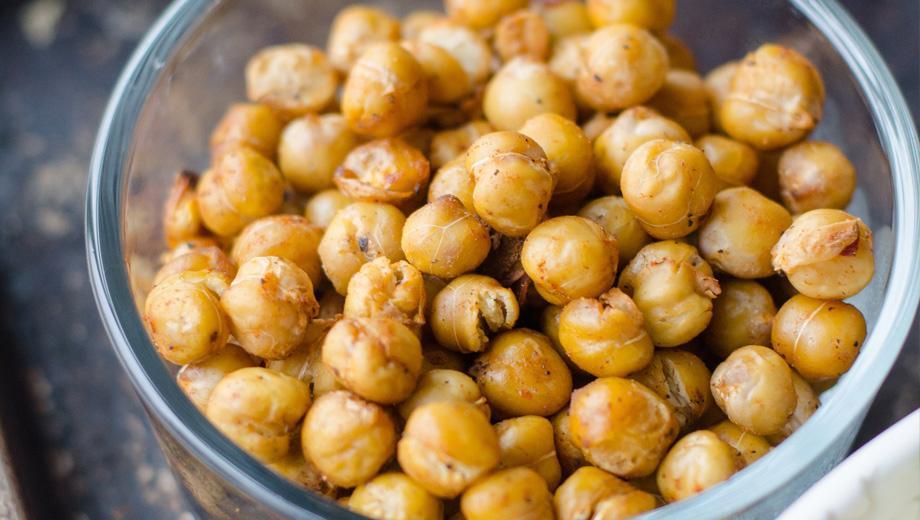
x=292 y=79
x=447 y=81
x=446 y=445
x=385 y=289
x=356 y=28
x=826 y=254
x=697 y=462
x=312 y=147
x=181 y=217
x=622 y=66
x=197 y=259
x=622 y=426
x=674 y=288
x=466 y=46
x=306 y=364
x=481 y=14
x=297 y=469
x=741 y=230
x=680 y=56
x=718 y=83
x=416 y=21
x=754 y=388
x=322 y=207
x=453 y=179
x=522 y=33
x=347 y=438
x=385 y=170
x=394 y=496
x=748 y=447
x=605 y=336
x=198 y=379
x=669 y=186
x=521 y=374
x=523 y=88
x=613 y=214
x=649 y=14
x=509 y=493
x=444 y=239
x=593 y=493
x=741 y=315
x=386 y=91
x=565 y=59
x=566 y=18
x=549 y=326
x=190 y=244
x=733 y=162
x=683 y=99
x=242 y=187
x=437 y=357
x=449 y=145
x=379 y=359
x=682 y=379
x=630 y=130
x=806 y=404
x=259 y=409
x=444 y=385
x=776 y=98
x=291 y=237
x=469 y=309
x=528 y=441
x=820 y=339
x=359 y=233
x=815 y=175
x=247 y=125
x=569 y=153
x=570 y=455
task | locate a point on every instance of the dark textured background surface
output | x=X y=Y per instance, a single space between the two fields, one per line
x=81 y=438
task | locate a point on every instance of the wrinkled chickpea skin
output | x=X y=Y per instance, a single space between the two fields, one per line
x=386 y=289
x=471 y=308
x=385 y=170
x=444 y=239
x=293 y=79
x=682 y=379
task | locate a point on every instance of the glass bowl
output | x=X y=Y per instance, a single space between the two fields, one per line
x=189 y=68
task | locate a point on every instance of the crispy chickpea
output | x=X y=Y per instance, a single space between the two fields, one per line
x=566 y=18
x=649 y=14
x=528 y=441
x=312 y=147
x=814 y=175
x=385 y=289
x=509 y=493
x=741 y=315
x=593 y=493
x=569 y=153
x=622 y=426
x=385 y=170
x=436 y=357
x=741 y=230
x=249 y=125
x=747 y=446
x=446 y=445
x=682 y=379
x=549 y=326
x=447 y=81
x=565 y=57
x=522 y=33
x=347 y=438
x=198 y=379
x=466 y=46
x=306 y=364
x=242 y=187
x=826 y=254
x=621 y=66
x=444 y=385
x=776 y=98
x=293 y=79
x=379 y=359
x=605 y=336
x=359 y=233
x=181 y=217
x=669 y=186
x=820 y=339
x=481 y=14
x=523 y=88
x=297 y=469
x=197 y=259
x=469 y=309
x=386 y=91
x=416 y=21
x=754 y=388
x=291 y=237
x=570 y=455
x=683 y=99
x=453 y=179
x=356 y=28
x=718 y=83
x=674 y=288
x=613 y=214
x=190 y=244
x=449 y=145
x=630 y=130
x=444 y=239
x=522 y=374
x=259 y=409
x=394 y=496
x=322 y=207
x=733 y=162
x=680 y=56
x=806 y=404
x=697 y=462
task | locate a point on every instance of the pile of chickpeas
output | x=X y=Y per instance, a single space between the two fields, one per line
x=513 y=261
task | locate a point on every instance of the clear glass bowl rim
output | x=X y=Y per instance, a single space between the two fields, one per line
x=162 y=397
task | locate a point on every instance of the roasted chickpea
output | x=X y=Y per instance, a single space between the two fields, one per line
x=733 y=162
x=306 y=364
x=682 y=379
x=806 y=404
x=776 y=98
x=247 y=125
x=356 y=28
x=481 y=14
x=565 y=59
x=747 y=446
x=435 y=357
x=190 y=244
x=522 y=33
x=446 y=445
x=680 y=56
x=448 y=146
x=414 y=22
x=566 y=18
x=613 y=214
x=469 y=309
x=197 y=259
x=386 y=170
x=718 y=83
x=622 y=426
x=649 y=14
x=741 y=315
x=522 y=374
x=293 y=79
x=826 y=254
x=444 y=385
x=569 y=153
x=593 y=493
x=394 y=496
x=528 y=441
x=697 y=462
x=466 y=46
x=447 y=81
x=198 y=379
x=181 y=217
x=509 y=493
x=385 y=289
x=523 y=88
x=570 y=455
x=312 y=147
x=754 y=388
x=291 y=237
x=242 y=187
x=622 y=66
x=347 y=438
x=683 y=99
x=359 y=233
x=630 y=130
x=814 y=175
x=259 y=409
x=444 y=239
x=297 y=469
x=322 y=207
x=453 y=179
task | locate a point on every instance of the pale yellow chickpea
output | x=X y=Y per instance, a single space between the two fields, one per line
x=467 y=46
x=522 y=33
x=181 y=217
x=569 y=153
x=385 y=289
x=384 y=170
x=481 y=14
x=649 y=14
x=291 y=237
x=718 y=83
x=748 y=447
x=323 y=206
x=565 y=59
x=356 y=28
x=593 y=493
x=565 y=18
x=741 y=315
x=450 y=145
x=414 y=22
x=523 y=88
x=806 y=404
x=293 y=79
x=444 y=239
x=733 y=162
x=471 y=308
x=453 y=179
x=814 y=175
x=250 y=125
x=259 y=409
x=528 y=441
x=395 y=496
x=197 y=259
x=509 y=493
x=198 y=379
x=570 y=455
x=680 y=56
x=442 y=384
x=447 y=80
x=683 y=99
x=682 y=379
x=613 y=214
x=695 y=463
x=311 y=148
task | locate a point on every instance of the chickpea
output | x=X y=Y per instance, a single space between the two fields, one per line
x=447 y=80
x=613 y=214
x=820 y=339
x=306 y=364
x=565 y=59
x=481 y=14
x=197 y=259
x=415 y=22
x=570 y=455
x=181 y=217
x=680 y=56
x=566 y=18
x=593 y=493
x=622 y=426
x=247 y=125
x=198 y=379
x=293 y=79
x=312 y=147
x=753 y=386
x=354 y=30
x=524 y=88
x=622 y=66
x=522 y=33
x=242 y=187
x=806 y=404
x=549 y=326
x=733 y=162
x=649 y=14
x=674 y=288
x=444 y=239
x=741 y=230
x=322 y=207
x=697 y=462
x=359 y=233
x=509 y=493
x=394 y=496
x=446 y=445
x=826 y=254
x=385 y=170
x=270 y=304
x=682 y=379
x=297 y=469
x=385 y=289
x=683 y=99
x=741 y=315
x=747 y=446
x=379 y=359
x=259 y=409
x=453 y=179
x=776 y=98
x=569 y=153
x=528 y=441
x=814 y=175
x=439 y=384
x=521 y=374
x=290 y=237
x=630 y=130
x=347 y=438
x=466 y=46
x=718 y=83
x=448 y=146
x=189 y=245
